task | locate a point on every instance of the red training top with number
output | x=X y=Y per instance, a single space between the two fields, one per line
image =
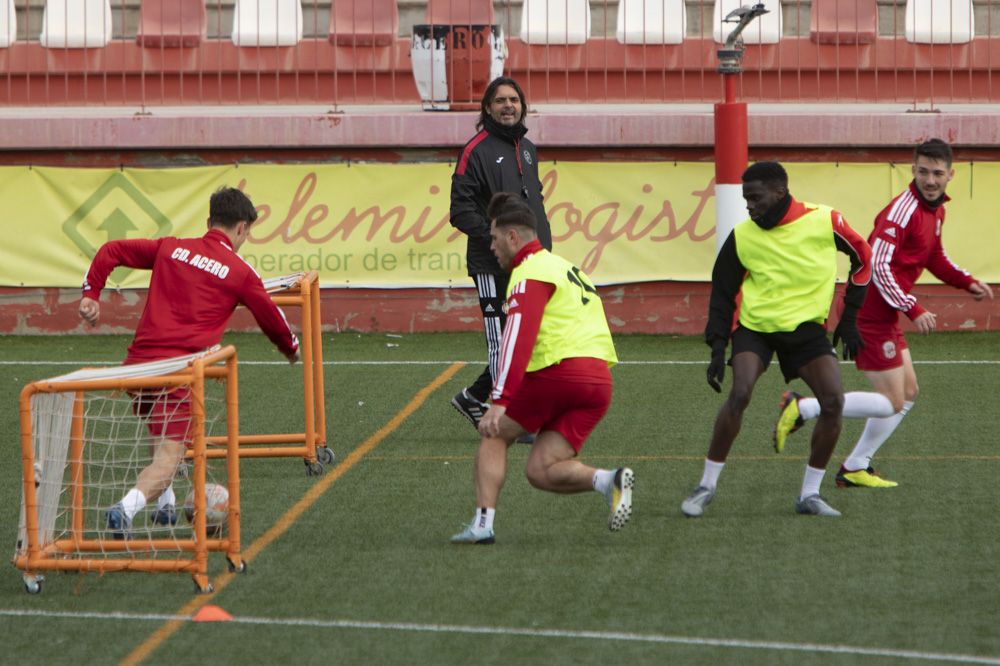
x=196 y=285
x=524 y=320
x=906 y=240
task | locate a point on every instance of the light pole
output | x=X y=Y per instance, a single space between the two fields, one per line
x=731 y=150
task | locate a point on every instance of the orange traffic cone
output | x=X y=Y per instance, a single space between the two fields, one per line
x=210 y=613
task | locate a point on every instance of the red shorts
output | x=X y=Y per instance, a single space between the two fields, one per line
x=573 y=409
x=167 y=412
x=884 y=343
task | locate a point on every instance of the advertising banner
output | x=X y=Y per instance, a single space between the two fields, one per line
x=386 y=225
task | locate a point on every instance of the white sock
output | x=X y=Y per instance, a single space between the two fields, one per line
x=811 y=481
x=133 y=502
x=857 y=405
x=483 y=518
x=867 y=405
x=875 y=433
x=166 y=497
x=710 y=477
x=602 y=480
x=808 y=408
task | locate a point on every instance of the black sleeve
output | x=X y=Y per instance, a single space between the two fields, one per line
x=854 y=296
x=467 y=210
x=854 y=293
x=727 y=279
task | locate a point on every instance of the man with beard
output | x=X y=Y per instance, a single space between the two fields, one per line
x=906 y=240
x=554 y=377
x=497 y=159
x=783 y=261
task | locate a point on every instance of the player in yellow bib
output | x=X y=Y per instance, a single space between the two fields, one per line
x=553 y=376
x=783 y=263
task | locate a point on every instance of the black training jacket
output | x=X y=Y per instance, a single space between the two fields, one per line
x=489 y=164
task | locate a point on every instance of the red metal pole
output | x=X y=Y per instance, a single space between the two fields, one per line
x=731 y=156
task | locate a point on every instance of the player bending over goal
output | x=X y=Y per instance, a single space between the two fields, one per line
x=195 y=286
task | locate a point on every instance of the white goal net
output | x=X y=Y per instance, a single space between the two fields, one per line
x=88 y=436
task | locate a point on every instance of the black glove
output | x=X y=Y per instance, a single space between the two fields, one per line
x=847 y=330
x=717 y=366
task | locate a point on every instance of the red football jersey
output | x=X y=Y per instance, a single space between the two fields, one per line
x=906 y=240
x=196 y=285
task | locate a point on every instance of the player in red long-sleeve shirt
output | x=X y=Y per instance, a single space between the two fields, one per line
x=552 y=376
x=196 y=285
x=905 y=241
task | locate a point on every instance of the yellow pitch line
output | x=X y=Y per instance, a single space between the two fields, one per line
x=139 y=654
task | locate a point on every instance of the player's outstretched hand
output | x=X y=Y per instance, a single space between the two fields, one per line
x=981 y=290
x=294 y=357
x=847 y=331
x=717 y=369
x=90 y=310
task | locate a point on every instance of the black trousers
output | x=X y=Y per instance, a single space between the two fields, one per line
x=492 y=296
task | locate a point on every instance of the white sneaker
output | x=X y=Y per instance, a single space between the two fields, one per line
x=619 y=498
x=814 y=505
x=475 y=535
x=695 y=504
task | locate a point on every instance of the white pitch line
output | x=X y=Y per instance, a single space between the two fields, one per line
x=529 y=633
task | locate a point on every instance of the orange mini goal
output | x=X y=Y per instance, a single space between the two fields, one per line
x=300 y=290
x=85 y=438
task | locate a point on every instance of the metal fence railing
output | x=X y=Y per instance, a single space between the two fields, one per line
x=441 y=52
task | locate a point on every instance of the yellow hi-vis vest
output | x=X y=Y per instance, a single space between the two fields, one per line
x=573 y=322
x=791 y=271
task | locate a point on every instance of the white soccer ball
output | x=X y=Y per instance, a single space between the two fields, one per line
x=216 y=508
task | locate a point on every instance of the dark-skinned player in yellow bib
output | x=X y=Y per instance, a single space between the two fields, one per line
x=781 y=267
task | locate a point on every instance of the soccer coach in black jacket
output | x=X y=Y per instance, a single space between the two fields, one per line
x=497 y=159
